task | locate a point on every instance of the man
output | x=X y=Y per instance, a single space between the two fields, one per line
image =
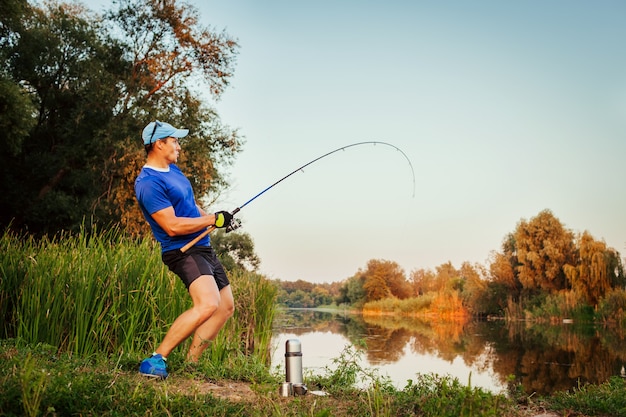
x=167 y=201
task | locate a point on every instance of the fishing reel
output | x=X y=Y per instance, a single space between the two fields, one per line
x=234 y=225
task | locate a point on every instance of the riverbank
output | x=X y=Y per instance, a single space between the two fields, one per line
x=35 y=380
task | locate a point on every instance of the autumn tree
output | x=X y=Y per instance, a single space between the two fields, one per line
x=475 y=287
x=168 y=48
x=543 y=248
x=444 y=278
x=597 y=270
x=502 y=272
x=375 y=287
x=448 y=278
x=383 y=279
x=422 y=281
x=503 y=266
x=503 y=285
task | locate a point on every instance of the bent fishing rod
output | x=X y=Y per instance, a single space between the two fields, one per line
x=301 y=168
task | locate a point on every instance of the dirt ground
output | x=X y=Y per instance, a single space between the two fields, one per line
x=229 y=390
x=237 y=391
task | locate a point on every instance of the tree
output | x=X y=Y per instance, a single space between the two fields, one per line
x=321 y=296
x=304 y=294
x=543 y=248
x=423 y=281
x=235 y=250
x=383 y=279
x=504 y=265
x=16 y=105
x=68 y=69
x=597 y=271
x=16 y=121
x=503 y=284
x=503 y=272
x=352 y=291
x=82 y=87
x=475 y=286
x=167 y=47
x=448 y=278
x=375 y=287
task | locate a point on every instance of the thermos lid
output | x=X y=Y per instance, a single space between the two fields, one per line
x=293 y=346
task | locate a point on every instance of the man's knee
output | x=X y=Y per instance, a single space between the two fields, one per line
x=229 y=310
x=206 y=310
x=227 y=302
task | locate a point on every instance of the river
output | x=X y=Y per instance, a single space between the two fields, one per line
x=493 y=355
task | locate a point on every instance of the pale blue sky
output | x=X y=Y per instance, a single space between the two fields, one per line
x=504 y=108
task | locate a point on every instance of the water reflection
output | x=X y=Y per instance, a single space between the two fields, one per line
x=543 y=359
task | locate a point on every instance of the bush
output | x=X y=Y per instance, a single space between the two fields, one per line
x=435 y=395
x=612 y=308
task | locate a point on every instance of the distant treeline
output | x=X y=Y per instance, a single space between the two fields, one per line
x=543 y=271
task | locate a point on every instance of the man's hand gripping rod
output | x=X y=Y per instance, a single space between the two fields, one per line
x=209 y=230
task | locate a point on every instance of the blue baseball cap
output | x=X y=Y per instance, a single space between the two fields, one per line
x=159 y=130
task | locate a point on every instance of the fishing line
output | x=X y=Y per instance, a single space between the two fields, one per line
x=301 y=168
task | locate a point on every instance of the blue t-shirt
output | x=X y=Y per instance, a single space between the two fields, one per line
x=156 y=190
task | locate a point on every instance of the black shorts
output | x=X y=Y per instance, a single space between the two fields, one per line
x=197 y=261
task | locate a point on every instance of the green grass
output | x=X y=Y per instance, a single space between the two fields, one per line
x=608 y=399
x=37 y=380
x=427 y=395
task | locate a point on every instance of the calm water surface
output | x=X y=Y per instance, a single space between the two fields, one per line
x=487 y=354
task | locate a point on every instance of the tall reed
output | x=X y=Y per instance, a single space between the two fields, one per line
x=14 y=260
x=108 y=293
x=413 y=306
x=250 y=329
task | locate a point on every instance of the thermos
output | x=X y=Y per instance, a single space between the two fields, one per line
x=293 y=361
x=293 y=370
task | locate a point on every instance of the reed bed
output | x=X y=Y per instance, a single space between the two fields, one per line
x=250 y=329
x=108 y=293
x=414 y=306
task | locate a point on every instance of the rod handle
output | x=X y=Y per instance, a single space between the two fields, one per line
x=203 y=234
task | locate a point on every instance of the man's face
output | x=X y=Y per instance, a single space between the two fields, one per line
x=171 y=149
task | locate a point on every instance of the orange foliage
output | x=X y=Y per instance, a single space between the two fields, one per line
x=449 y=306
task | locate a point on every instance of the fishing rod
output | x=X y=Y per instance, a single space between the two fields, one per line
x=301 y=168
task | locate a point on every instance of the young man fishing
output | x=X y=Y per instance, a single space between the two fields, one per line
x=167 y=201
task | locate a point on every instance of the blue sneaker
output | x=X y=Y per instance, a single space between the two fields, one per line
x=153 y=367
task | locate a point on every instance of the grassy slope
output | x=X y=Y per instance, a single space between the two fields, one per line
x=38 y=381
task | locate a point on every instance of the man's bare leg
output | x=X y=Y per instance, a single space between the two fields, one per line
x=209 y=329
x=206 y=301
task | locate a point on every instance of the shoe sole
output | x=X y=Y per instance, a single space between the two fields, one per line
x=153 y=376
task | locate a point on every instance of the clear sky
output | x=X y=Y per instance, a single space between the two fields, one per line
x=504 y=109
